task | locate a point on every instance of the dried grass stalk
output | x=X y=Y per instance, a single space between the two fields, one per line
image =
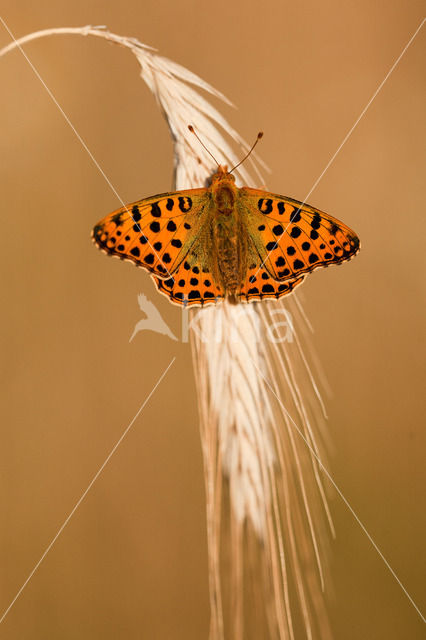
x=267 y=514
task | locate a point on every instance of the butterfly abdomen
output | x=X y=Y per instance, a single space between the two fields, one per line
x=227 y=253
x=230 y=252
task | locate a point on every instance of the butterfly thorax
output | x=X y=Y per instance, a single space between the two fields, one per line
x=227 y=237
x=224 y=191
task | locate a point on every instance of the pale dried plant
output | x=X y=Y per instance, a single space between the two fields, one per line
x=261 y=413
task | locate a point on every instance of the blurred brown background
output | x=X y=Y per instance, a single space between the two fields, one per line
x=131 y=563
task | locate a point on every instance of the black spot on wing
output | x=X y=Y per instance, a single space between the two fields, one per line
x=136 y=213
x=117 y=218
x=295 y=232
x=295 y=216
x=265 y=205
x=185 y=203
x=155 y=210
x=271 y=246
x=316 y=221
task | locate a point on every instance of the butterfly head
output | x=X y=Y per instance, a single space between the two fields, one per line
x=222 y=175
x=224 y=190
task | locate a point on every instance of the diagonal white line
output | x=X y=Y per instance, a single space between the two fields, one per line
x=327 y=473
x=78 y=136
x=333 y=157
x=158 y=382
x=84 y=494
x=347 y=136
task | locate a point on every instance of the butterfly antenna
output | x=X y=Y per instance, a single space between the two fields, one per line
x=259 y=136
x=192 y=130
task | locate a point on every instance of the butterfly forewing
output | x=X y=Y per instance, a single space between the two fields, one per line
x=156 y=233
x=293 y=238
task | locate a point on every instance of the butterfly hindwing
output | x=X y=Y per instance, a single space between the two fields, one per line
x=190 y=285
x=260 y=285
x=155 y=233
x=293 y=238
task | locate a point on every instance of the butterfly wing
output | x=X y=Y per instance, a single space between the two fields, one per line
x=260 y=285
x=190 y=285
x=156 y=233
x=293 y=238
x=169 y=235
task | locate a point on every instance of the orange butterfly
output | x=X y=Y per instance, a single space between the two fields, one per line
x=202 y=245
